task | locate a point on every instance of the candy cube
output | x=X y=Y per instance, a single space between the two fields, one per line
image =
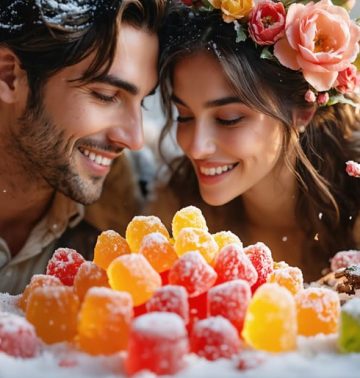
x=189 y=216
x=344 y=259
x=290 y=277
x=224 y=238
x=349 y=333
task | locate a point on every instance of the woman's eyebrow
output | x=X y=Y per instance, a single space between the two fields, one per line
x=211 y=103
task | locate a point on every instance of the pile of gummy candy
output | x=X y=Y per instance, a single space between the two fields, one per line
x=158 y=298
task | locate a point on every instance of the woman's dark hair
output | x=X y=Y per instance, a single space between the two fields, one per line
x=328 y=200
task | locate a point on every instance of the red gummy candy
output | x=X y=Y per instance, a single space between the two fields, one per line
x=170 y=298
x=214 y=337
x=197 y=309
x=230 y=300
x=261 y=258
x=344 y=259
x=232 y=264
x=64 y=265
x=158 y=342
x=193 y=272
x=17 y=336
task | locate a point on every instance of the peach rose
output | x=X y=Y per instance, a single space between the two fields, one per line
x=321 y=40
x=347 y=80
x=233 y=9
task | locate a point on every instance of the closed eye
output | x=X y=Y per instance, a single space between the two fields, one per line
x=181 y=119
x=229 y=122
x=104 y=98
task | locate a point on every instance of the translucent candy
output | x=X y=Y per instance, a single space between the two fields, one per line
x=196 y=239
x=189 y=216
x=104 y=321
x=109 y=245
x=232 y=263
x=290 y=277
x=17 y=336
x=37 y=280
x=214 y=338
x=349 y=332
x=260 y=256
x=270 y=321
x=230 y=300
x=140 y=226
x=224 y=238
x=158 y=251
x=158 y=342
x=134 y=274
x=192 y=272
x=64 y=264
x=344 y=259
x=198 y=309
x=318 y=311
x=170 y=298
x=53 y=312
x=89 y=275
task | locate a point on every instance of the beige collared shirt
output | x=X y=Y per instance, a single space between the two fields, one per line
x=16 y=272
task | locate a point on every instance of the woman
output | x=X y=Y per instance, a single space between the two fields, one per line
x=258 y=131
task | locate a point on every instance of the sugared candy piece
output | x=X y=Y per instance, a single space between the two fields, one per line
x=192 y=271
x=189 y=216
x=270 y=322
x=344 y=259
x=104 y=321
x=198 y=309
x=140 y=226
x=260 y=256
x=134 y=274
x=349 y=332
x=290 y=277
x=53 y=311
x=64 y=264
x=37 y=280
x=170 y=298
x=196 y=239
x=224 y=238
x=89 y=275
x=232 y=263
x=158 y=251
x=158 y=342
x=17 y=336
x=214 y=338
x=109 y=245
x=318 y=311
x=230 y=300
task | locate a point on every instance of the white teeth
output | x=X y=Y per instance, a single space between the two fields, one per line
x=217 y=170
x=98 y=159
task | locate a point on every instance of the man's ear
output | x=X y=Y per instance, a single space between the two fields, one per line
x=10 y=75
x=302 y=117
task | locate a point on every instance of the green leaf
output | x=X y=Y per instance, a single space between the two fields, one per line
x=357 y=62
x=240 y=32
x=343 y=100
x=266 y=54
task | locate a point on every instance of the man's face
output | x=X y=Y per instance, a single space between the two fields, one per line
x=72 y=137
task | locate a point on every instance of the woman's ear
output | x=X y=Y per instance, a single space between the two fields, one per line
x=10 y=76
x=302 y=117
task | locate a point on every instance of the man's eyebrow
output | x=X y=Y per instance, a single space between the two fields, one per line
x=211 y=103
x=176 y=99
x=118 y=83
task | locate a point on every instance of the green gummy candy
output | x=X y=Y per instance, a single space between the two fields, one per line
x=349 y=334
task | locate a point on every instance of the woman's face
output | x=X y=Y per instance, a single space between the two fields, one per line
x=234 y=149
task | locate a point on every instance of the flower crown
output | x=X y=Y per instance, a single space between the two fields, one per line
x=317 y=38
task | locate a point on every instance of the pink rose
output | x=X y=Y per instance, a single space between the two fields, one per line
x=310 y=96
x=347 y=80
x=321 y=40
x=323 y=98
x=267 y=22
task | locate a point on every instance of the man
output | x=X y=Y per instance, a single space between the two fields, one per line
x=73 y=75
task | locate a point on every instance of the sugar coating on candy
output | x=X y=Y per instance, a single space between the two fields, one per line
x=196 y=239
x=290 y=277
x=170 y=298
x=134 y=274
x=224 y=238
x=344 y=259
x=349 y=332
x=189 y=216
x=109 y=245
x=232 y=263
x=261 y=257
x=140 y=226
x=158 y=251
x=17 y=336
x=353 y=168
x=214 y=337
x=230 y=300
x=64 y=264
x=192 y=272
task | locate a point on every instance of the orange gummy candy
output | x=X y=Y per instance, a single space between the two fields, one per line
x=159 y=251
x=140 y=226
x=53 y=312
x=104 y=321
x=290 y=277
x=109 y=245
x=318 y=311
x=189 y=216
x=37 y=280
x=134 y=274
x=196 y=239
x=270 y=321
x=89 y=275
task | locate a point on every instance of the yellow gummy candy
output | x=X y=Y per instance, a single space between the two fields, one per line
x=189 y=216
